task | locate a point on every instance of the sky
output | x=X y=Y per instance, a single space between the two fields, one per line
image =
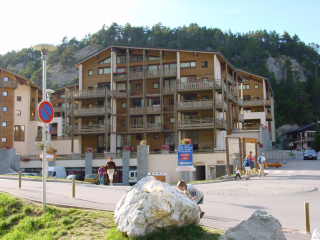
x=28 y=23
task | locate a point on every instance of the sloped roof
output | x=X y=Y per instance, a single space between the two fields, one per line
x=303 y=128
x=22 y=77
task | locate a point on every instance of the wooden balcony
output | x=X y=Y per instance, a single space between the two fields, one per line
x=136 y=128
x=153 y=127
x=168 y=90
x=229 y=77
x=196 y=124
x=136 y=110
x=149 y=74
x=220 y=103
x=153 y=109
x=195 y=104
x=58 y=109
x=221 y=124
x=238 y=117
x=219 y=85
x=8 y=84
x=269 y=116
x=121 y=93
x=169 y=72
x=90 y=129
x=91 y=93
x=95 y=111
x=240 y=102
x=196 y=85
x=256 y=103
x=230 y=95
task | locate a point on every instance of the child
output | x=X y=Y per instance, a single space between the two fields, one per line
x=192 y=193
x=237 y=173
x=246 y=165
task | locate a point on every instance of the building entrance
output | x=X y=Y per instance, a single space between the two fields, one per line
x=199 y=174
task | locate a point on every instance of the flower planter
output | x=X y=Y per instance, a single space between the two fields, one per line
x=163 y=151
x=277 y=165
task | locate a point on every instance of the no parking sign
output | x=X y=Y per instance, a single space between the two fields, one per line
x=45 y=111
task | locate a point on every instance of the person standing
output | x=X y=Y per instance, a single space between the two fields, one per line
x=101 y=173
x=111 y=168
x=262 y=163
x=237 y=173
x=246 y=165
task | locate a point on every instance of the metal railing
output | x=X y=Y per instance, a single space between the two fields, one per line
x=91 y=111
x=136 y=128
x=91 y=93
x=203 y=103
x=229 y=77
x=221 y=123
x=90 y=128
x=134 y=110
x=220 y=103
x=168 y=90
x=121 y=93
x=153 y=109
x=253 y=103
x=196 y=123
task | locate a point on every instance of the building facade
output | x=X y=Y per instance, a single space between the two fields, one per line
x=129 y=94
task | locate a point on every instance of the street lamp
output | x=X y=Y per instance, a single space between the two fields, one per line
x=301 y=141
x=291 y=145
x=44 y=49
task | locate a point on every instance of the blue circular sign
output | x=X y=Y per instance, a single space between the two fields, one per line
x=45 y=111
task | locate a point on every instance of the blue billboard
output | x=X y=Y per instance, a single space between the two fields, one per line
x=185 y=153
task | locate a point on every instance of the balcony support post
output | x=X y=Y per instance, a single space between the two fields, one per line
x=227 y=97
x=72 y=122
x=175 y=115
x=161 y=92
x=128 y=104
x=106 y=116
x=144 y=97
x=214 y=105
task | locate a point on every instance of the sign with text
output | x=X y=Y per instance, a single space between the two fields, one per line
x=185 y=155
x=185 y=169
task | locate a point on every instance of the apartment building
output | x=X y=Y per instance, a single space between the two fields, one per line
x=19 y=99
x=258 y=103
x=129 y=94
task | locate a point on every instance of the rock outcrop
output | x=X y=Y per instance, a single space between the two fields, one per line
x=260 y=225
x=151 y=205
x=316 y=234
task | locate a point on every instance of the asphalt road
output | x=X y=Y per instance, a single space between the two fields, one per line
x=282 y=193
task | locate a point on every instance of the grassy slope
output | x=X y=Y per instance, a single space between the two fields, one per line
x=20 y=219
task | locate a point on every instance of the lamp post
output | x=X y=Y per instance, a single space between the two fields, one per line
x=301 y=141
x=44 y=49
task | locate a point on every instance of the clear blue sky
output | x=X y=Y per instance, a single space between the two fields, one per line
x=27 y=23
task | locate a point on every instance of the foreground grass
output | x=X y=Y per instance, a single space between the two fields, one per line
x=20 y=219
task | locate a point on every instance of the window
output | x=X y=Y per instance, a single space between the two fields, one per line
x=61 y=96
x=153 y=58
x=90 y=72
x=18 y=112
x=205 y=64
x=19 y=98
x=188 y=79
x=139 y=136
x=4 y=139
x=123 y=122
x=4 y=109
x=188 y=65
x=256 y=86
x=18 y=133
x=106 y=60
x=156 y=136
x=169 y=139
x=206 y=117
x=121 y=86
x=6 y=79
x=120 y=70
x=123 y=105
x=90 y=88
x=246 y=86
x=136 y=58
x=105 y=70
x=171 y=101
x=169 y=66
x=246 y=97
x=121 y=59
x=205 y=97
x=205 y=80
x=4 y=124
x=136 y=69
x=256 y=99
x=137 y=102
x=104 y=85
x=139 y=86
x=171 y=120
x=156 y=85
x=5 y=94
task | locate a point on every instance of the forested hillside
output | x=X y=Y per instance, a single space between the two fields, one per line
x=296 y=80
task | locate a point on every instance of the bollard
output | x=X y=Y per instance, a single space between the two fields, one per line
x=73 y=187
x=307 y=217
x=19 y=179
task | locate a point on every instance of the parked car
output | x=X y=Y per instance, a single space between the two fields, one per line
x=76 y=176
x=132 y=177
x=93 y=178
x=310 y=154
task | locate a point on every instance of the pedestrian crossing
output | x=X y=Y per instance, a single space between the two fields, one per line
x=293 y=172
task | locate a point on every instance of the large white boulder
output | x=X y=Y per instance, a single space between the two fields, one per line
x=260 y=225
x=151 y=205
x=316 y=234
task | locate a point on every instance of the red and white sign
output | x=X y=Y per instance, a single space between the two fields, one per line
x=45 y=111
x=185 y=169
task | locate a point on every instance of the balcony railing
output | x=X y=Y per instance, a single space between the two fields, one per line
x=189 y=104
x=238 y=117
x=153 y=127
x=230 y=95
x=219 y=104
x=240 y=102
x=90 y=128
x=136 y=128
x=221 y=124
x=153 y=109
x=90 y=111
x=255 y=103
x=241 y=118
x=121 y=93
x=196 y=85
x=91 y=93
x=196 y=123
x=269 y=116
x=8 y=84
x=149 y=74
x=58 y=109
x=229 y=77
x=134 y=110
x=218 y=85
x=168 y=90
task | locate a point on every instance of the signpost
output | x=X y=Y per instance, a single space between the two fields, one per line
x=45 y=111
x=185 y=158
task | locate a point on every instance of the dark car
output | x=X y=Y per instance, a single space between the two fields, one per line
x=76 y=176
x=310 y=154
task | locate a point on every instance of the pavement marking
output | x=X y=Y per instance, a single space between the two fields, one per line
x=277 y=171
x=304 y=171
x=291 y=171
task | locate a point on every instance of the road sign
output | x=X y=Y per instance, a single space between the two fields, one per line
x=185 y=169
x=45 y=111
x=185 y=152
x=50 y=129
x=39 y=146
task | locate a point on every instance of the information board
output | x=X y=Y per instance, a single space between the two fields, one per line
x=185 y=155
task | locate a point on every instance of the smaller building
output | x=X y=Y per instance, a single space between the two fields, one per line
x=302 y=138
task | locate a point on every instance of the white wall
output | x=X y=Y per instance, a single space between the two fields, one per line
x=256 y=115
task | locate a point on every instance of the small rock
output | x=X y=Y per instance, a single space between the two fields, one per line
x=151 y=205
x=316 y=234
x=260 y=225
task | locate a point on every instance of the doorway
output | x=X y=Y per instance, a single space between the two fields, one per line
x=199 y=174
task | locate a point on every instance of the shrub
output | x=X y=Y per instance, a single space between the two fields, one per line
x=165 y=147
